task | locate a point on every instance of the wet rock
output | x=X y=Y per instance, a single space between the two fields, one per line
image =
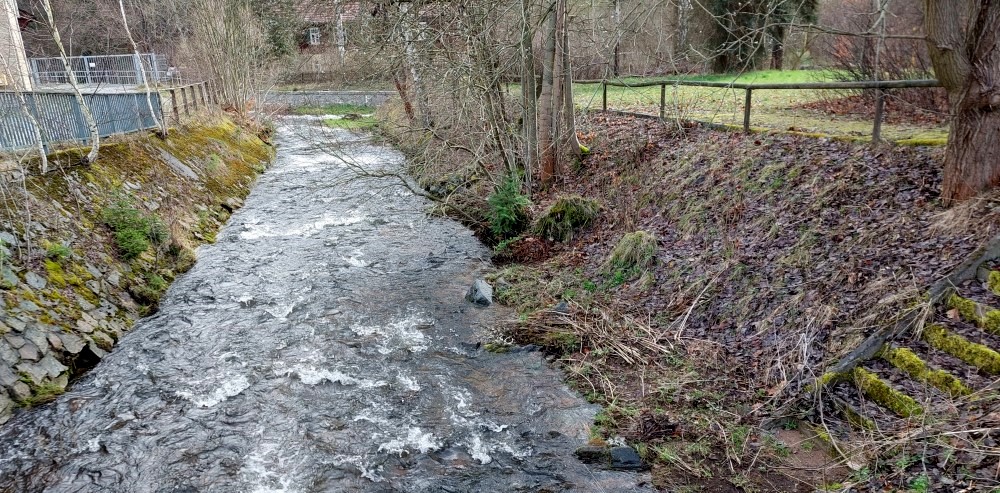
x=35 y=281
x=480 y=293
x=6 y=407
x=72 y=343
x=590 y=454
x=29 y=352
x=100 y=353
x=626 y=458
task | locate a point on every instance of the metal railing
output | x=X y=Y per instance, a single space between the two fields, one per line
x=61 y=120
x=104 y=69
x=880 y=87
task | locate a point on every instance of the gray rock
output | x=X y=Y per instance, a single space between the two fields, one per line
x=100 y=353
x=94 y=271
x=6 y=407
x=17 y=325
x=9 y=276
x=29 y=352
x=8 y=238
x=114 y=278
x=36 y=336
x=480 y=293
x=86 y=324
x=626 y=458
x=590 y=454
x=55 y=342
x=84 y=304
x=7 y=376
x=178 y=166
x=28 y=306
x=20 y=391
x=72 y=343
x=34 y=370
x=15 y=340
x=93 y=286
x=35 y=281
x=52 y=366
x=8 y=354
x=102 y=339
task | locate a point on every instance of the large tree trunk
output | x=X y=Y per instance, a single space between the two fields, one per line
x=969 y=69
x=570 y=141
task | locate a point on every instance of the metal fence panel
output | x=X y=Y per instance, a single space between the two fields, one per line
x=60 y=117
x=104 y=69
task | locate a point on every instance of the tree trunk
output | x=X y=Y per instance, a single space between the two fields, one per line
x=338 y=12
x=546 y=124
x=972 y=158
x=528 y=95
x=571 y=142
x=413 y=60
x=778 y=46
x=160 y=125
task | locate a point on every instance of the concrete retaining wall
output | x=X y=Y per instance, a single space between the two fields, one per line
x=324 y=98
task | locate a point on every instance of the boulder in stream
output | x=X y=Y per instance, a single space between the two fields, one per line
x=480 y=293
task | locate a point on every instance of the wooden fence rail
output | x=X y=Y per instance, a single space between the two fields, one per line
x=880 y=87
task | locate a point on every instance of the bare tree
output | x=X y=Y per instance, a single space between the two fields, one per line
x=162 y=125
x=88 y=116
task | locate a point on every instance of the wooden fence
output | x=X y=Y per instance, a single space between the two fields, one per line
x=185 y=99
x=880 y=87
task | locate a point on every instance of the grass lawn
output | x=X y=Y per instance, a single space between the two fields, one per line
x=364 y=122
x=771 y=109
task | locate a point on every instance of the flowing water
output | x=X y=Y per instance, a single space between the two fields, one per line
x=322 y=344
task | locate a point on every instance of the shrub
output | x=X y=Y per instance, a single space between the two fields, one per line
x=131 y=243
x=509 y=212
x=566 y=215
x=134 y=231
x=57 y=251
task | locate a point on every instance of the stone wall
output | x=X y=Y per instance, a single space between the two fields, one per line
x=71 y=285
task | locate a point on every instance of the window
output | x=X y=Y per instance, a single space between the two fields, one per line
x=313 y=36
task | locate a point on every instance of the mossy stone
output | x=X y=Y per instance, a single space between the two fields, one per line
x=886 y=396
x=909 y=362
x=975 y=354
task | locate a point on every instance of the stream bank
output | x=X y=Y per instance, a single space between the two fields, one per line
x=85 y=250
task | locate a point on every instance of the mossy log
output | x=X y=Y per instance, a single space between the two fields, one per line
x=972 y=353
x=886 y=396
x=984 y=317
x=907 y=361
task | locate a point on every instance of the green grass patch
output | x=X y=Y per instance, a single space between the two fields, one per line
x=134 y=231
x=565 y=215
x=361 y=123
x=334 y=109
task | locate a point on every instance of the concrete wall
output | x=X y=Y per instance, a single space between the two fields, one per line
x=324 y=98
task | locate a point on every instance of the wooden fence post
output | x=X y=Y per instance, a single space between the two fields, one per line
x=663 y=100
x=746 y=111
x=879 y=109
x=187 y=110
x=203 y=92
x=604 y=97
x=173 y=104
x=194 y=96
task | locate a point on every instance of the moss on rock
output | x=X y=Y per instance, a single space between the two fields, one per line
x=993 y=282
x=908 y=361
x=975 y=354
x=886 y=396
x=564 y=216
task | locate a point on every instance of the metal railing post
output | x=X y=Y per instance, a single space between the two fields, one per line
x=879 y=109
x=663 y=101
x=746 y=111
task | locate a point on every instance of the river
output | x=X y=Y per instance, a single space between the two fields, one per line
x=321 y=344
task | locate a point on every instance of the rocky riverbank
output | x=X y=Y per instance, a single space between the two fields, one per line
x=85 y=250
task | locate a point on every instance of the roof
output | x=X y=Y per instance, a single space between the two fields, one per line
x=325 y=11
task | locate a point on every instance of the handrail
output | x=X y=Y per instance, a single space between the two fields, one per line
x=880 y=87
